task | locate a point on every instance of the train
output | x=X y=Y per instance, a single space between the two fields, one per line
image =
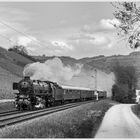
x=33 y=94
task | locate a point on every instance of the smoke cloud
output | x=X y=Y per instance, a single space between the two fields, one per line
x=105 y=82
x=99 y=80
x=52 y=70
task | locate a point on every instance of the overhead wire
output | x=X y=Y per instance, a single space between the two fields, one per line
x=24 y=34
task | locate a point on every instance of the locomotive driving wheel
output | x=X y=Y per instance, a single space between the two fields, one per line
x=63 y=101
x=20 y=107
x=51 y=102
x=30 y=107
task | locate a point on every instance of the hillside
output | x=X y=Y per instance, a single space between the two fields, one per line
x=100 y=62
x=12 y=64
x=103 y=63
x=11 y=68
x=65 y=59
x=106 y=63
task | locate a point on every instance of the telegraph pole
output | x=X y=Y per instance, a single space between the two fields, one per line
x=95 y=79
x=96 y=93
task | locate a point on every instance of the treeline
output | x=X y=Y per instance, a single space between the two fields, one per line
x=22 y=51
x=125 y=84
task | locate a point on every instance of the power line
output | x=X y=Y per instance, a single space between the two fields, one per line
x=7 y=38
x=24 y=34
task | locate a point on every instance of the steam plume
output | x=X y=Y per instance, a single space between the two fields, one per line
x=52 y=70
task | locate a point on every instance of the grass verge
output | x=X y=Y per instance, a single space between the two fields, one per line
x=6 y=106
x=78 y=122
x=136 y=110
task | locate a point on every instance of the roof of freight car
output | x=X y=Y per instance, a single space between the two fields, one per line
x=75 y=88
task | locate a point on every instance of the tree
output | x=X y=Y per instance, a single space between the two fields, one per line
x=126 y=75
x=124 y=88
x=120 y=93
x=19 y=49
x=128 y=14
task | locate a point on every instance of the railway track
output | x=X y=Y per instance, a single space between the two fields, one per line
x=16 y=117
x=11 y=112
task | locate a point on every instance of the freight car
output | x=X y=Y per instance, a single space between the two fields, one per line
x=41 y=94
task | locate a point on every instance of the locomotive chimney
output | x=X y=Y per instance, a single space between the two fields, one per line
x=27 y=77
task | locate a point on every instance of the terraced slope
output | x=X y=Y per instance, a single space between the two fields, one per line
x=6 y=80
x=11 y=68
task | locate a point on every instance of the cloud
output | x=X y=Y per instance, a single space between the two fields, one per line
x=51 y=48
x=92 y=44
x=89 y=28
x=92 y=38
x=11 y=24
x=109 y=23
x=95 y=38
x=104 y=25
x=62 y=45
x=25 y=41
x=98 y=39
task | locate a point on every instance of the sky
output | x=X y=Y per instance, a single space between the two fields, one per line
x=76 y=29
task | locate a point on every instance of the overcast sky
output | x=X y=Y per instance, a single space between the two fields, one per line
x=78 y=29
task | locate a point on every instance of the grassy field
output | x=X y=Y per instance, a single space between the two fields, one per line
x=11 y=68
x=6 y=106
x=6 y=82
x=78 y=122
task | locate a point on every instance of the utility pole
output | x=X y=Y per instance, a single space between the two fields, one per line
x=95 y=79
x=96 y=93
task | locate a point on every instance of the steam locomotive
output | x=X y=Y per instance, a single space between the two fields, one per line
x=34 y=94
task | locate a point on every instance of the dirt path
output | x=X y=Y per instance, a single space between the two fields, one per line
x=119 y=122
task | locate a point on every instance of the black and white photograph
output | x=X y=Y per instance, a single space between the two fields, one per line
x=69 y=69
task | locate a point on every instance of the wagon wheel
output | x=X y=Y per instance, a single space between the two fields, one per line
x=20 y=107
x=52 y=102
x=62 y=101
x=30 y=107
